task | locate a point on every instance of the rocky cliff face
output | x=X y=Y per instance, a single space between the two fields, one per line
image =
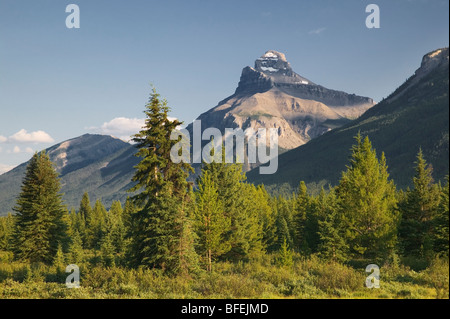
x=272 y=95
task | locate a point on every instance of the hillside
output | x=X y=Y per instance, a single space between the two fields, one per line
x=98 y=164
x=415 y=115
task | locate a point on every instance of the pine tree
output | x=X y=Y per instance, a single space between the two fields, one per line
x=266 y=216
x=301 y=212
x=315 y=211
x=285 y=255
x=95 y=225
x=367 y=201
x=59 y=261
x=331 y=231
x=210 y=221
x=441 y=223
x=107 y=251
x=245 y=233
x=418 y=211
x=117 y=228
x=6 y=231
x=76 y=253
x=159 y=226
x=84 y=218
x=282 y=230
x=39 y=222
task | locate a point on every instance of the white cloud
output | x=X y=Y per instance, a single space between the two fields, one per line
x=16 y=149
x=122 y=127
x=34 y=137
x=3 y=139
x=317 y=31
x=5 y=168
x=29 y=150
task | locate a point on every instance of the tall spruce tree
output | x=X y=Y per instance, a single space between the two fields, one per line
x=39 y=222
x=367 y=203
x=418 y=211
x=160 y=232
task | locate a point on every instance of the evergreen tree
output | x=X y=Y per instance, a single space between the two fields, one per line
x=76 y=253
x=6 y=230
x=285 y=222
x=39 y=222
x=107 y=251
x=283 y=234
x=441 y=222
x=331 y=232
x=367 y=201
x=245 y=233
x=59 y=261
x=418 y=211
x=118 y=229
x=84 y=219
x=301 y=212
x=95 y=227
x=285 y=255
x=159 y=229
x=314 y=213
x=210 y=221
x=249 y=223
x=266 y=216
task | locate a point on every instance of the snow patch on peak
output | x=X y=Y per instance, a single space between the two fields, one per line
x=270 y=54
x=270 y=69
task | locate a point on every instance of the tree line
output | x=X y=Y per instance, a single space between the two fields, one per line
x=171 y=225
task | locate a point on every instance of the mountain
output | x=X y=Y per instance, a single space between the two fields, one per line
x=416 y=115
x=272 y=95
x=101 y=165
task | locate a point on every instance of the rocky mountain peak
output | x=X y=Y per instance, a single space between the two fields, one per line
x=433 y=59
x=270 y=70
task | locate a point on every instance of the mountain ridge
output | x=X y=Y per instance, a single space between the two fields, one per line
x=414 y=116
x=101 y=165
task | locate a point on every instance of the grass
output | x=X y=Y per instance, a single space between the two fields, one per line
x=307 y=279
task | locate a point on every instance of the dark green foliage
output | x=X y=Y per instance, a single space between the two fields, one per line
x=441 y=222
x=94 y=224
x=39 y=222
x=332 y=231
x=6 y=229
x=303 y=204
x=418 y=212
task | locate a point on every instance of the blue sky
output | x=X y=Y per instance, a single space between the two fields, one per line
x=58 y=83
